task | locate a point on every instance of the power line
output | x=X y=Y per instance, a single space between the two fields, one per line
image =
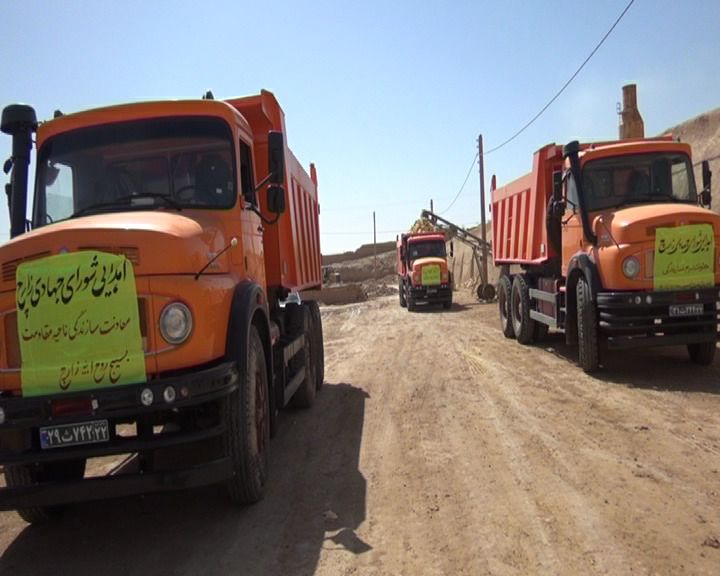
x=542 y=110
x=475 y=159
x=528 y=124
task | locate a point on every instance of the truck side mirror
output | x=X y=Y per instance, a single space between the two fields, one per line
x=276 y=157
x=276 y=199
x=705 y=196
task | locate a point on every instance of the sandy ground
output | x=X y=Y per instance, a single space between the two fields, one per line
x=439 y=447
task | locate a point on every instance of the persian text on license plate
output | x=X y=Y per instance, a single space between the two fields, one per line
x=686 y=309
x=75 y=434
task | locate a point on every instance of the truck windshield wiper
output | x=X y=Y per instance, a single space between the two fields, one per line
x=144 y=200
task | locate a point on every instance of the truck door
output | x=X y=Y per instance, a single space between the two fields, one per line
x=252 y=228
x=572 y=232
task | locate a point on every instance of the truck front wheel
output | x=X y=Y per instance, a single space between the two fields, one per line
x=702 y=353
x=401 y=291
x=523 y=325
x=587 y=329
x=247 y=427
x=19 y=475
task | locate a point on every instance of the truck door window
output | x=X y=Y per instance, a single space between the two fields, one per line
x=247 y=181
x=167 y=164
x=58 y=180
x=571 y=188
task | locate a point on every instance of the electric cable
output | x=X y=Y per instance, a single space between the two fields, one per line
x=544 y=108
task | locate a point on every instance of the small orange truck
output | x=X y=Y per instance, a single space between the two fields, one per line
x=142 y=300
x=616 y=247
x=423 y=275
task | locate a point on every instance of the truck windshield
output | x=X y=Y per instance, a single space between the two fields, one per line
x=163 y=163
x=638 y=179
x=426 y=249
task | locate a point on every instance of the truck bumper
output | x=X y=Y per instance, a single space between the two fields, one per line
x=20 y=437
x=431 y=294
x=668 y=318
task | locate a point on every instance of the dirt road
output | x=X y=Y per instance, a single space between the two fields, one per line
x=439 y=447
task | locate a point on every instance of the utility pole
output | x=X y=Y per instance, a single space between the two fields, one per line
x=374 y=246
x=481 y=164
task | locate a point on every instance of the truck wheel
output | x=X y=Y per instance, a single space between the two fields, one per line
x=304 y=397
x=447 y=304
x=504 y=289
x=702 y=353
x=587 y=329
x=319 y=345
x=523 y=325
x=410 y=302
x=401 y=291
x=247 y=427
x=19 y=475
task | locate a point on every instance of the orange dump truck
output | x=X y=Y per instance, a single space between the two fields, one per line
x=423 y=275
x=142 y=301
x=616 y=248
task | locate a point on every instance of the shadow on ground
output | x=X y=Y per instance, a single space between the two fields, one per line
x=661 y=368
x=315 y=499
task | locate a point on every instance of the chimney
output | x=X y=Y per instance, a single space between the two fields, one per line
x=631 y=123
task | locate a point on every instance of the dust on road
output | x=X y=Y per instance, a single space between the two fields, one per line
x=439 y=447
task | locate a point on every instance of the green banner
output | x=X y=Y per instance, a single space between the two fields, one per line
x=431 y=275
x=684 y=257
x=78 y=323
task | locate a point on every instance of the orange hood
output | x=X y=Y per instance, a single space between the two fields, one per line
x=638 y=223
x=156 y=242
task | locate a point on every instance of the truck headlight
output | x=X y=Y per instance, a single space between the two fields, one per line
x=175 y=323
x=631 y=267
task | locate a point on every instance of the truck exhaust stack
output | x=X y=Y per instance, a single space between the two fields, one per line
x=631 y=123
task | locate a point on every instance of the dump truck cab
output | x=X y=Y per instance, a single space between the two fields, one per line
x=141 y=298
x=619 y=249
x=423 y=274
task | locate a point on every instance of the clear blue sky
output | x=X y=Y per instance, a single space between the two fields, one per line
x=387 y=98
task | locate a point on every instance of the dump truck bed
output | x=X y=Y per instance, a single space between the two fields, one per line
x=292 y=245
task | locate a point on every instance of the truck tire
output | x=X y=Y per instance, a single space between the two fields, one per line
x=523 y=325
x=304 y=396
x=447 y=304
x=504 y=289
x=410 y=302
x=319 y=345
x=247 y=427
x=401 y=291
x=19 y=475
x=702 y=353
x=587 y=329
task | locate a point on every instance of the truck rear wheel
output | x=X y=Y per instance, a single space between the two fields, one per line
x=304 y=397
x=20 y=475
x=247 y=427
x=587 y=329
x=504 y=289
x=702 y=353
x=523 y=325
x=319 y=345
